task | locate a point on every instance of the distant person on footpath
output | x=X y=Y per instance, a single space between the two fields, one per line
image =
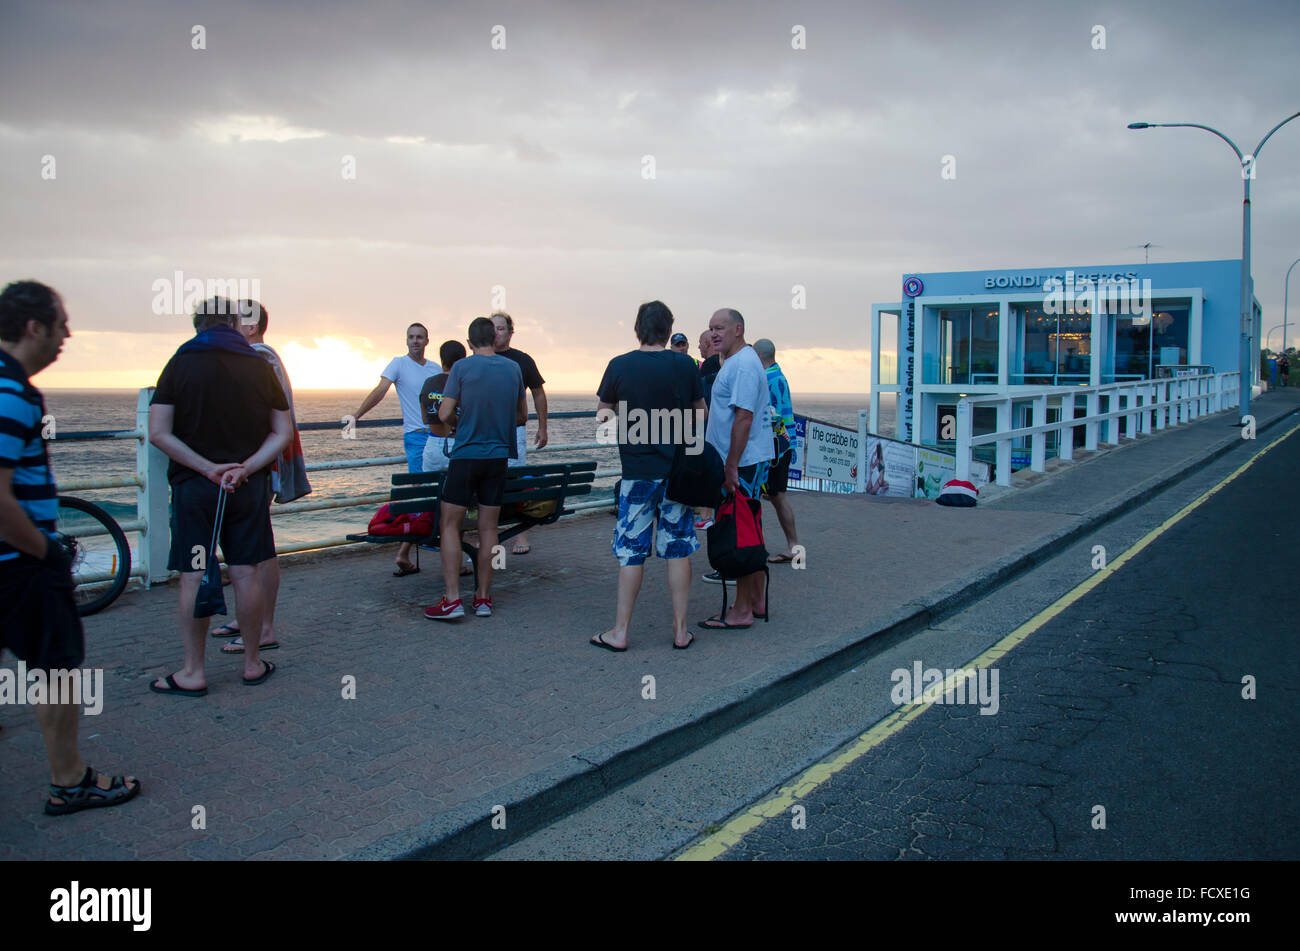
x=437 y=449
x=1283 y=369
x=739 y=429
x=488 y=390
x=288 y=478
x=38 y=617
x=505 y=332
x=778 y=476
x=221 y=417
x=662 y=384
x=409 y=371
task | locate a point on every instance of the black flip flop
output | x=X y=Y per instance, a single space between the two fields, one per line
x=174 y=687
x=270 y=669
x=600 y=642
x=682 y=647
x=717 y=624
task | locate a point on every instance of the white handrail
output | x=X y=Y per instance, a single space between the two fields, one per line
x=1144 y=404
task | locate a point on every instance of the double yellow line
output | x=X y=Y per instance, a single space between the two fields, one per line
x=781 y=803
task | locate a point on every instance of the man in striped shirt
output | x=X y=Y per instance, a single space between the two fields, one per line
x=38 y=618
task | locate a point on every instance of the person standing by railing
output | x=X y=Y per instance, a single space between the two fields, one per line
x=288 y=478
x=505 y=332
x=38 y=616
x=778 y=476
x=222 y=419
x=409 y=372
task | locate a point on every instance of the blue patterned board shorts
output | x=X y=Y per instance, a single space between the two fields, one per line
x=753 y=478
x=640 y=503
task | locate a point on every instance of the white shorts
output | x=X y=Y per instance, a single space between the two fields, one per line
x=437 y=453
x=521 y=448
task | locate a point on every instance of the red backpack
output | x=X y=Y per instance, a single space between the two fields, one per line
x=419 y=524
x=736 y=546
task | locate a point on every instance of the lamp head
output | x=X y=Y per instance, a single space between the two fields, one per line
x=1139 y=125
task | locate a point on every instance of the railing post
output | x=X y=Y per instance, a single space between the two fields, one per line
x=1065 y=445
x=863 y=418
x=1038 y=441
x=1090 y=427
x=963 y=439
x=1112 y=424
x=1004 y=444
x=152 y=497
x=1148 y=397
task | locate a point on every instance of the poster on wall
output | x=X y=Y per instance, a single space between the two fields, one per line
x=891 y=468
x=831 y=452
x=933 y=469
x=798 y=447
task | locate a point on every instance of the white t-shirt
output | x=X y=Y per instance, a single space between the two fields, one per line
x=408 y=376
x=741 y=384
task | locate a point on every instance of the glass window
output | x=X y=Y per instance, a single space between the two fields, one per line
x=968 y=345
x=1132 y=347
x=1169 y=327
x=888 y=350
x=1053 y=349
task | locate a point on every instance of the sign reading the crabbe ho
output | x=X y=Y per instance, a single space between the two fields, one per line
x=831 y=452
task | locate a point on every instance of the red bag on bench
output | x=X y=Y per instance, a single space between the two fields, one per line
x=413 y=523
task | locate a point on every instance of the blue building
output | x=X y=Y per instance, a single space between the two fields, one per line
x=1010 y=331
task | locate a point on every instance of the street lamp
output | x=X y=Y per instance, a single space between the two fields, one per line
x=1247 y=298
x=1286 y=299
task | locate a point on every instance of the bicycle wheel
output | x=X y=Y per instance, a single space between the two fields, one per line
x=101 y=557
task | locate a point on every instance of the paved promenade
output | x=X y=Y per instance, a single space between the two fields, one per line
x=451 y=719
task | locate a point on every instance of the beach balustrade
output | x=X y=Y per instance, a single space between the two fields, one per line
x=1144 y=405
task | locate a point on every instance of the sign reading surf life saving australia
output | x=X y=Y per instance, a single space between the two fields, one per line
x=909 y=369
x=831 y=453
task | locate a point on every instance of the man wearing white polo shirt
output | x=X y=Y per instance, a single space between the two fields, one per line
x=408 y=372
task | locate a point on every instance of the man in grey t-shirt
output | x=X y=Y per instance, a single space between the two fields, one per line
x=489 y=391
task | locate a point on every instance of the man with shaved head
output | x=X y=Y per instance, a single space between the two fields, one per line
x=739 y=429
x=778 y=476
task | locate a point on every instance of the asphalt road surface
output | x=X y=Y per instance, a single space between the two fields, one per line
x=1130 y=700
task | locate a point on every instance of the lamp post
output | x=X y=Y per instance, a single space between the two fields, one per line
x=1247 y=298
x=1286 y=299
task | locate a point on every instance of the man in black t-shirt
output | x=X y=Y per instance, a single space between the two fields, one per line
x=655 y=397
x=505 y=331
x=222 y=418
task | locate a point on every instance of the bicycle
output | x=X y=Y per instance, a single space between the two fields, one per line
x=101 y=557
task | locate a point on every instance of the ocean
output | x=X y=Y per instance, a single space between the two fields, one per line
x=82 y=410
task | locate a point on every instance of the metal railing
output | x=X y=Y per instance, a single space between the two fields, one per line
x=1145 y=406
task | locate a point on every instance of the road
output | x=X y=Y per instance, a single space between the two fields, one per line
x=1131 y=700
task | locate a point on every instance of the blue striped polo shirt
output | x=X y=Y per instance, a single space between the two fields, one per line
x=23 y=450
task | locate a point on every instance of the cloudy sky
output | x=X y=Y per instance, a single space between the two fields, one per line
x=611 y=154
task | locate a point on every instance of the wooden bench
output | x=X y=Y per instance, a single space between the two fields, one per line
x=422 y=491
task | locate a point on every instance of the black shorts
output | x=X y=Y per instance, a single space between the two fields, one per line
x=468 y=479
x=38 y=617
x=778 y=477
x=246 y=537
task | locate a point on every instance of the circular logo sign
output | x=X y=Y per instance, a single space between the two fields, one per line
x=913 y=286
